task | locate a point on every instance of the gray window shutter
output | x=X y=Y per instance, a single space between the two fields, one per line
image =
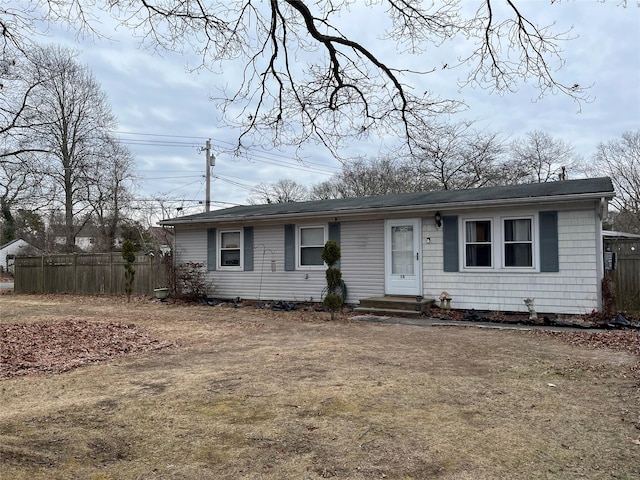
x=450 y=250
x=248 y=249
x=549 y=261
x=334 y=234
x=211 y=249
x=290 y=247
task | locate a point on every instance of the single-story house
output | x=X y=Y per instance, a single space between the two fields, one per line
x=488 y=248
x=13 y=249
x=86 y=240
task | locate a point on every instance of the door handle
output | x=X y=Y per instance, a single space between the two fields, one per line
x=417 y=253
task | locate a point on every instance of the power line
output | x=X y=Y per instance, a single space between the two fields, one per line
x=260 y=156
x=257 y=155
x=232 y=182
x=174 y=176
x=181 y=186
x=159 y=135
x=164 y=170
x=293 y=166
x=159 y=143
x=199 y=202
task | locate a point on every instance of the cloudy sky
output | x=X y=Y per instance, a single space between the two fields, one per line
x=166 y=115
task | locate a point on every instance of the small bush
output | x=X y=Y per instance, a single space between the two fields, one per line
x=191 y=281
x=129 y=256
x=332 y=302
x=334 y=277
x=331 y=255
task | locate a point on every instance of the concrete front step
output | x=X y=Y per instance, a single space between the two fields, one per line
x=394 y=305
x=388 y=312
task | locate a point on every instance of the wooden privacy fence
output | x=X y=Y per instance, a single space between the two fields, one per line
x=88 y=274
x=626 y=275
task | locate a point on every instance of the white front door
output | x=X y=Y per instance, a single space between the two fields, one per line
x=403 y=257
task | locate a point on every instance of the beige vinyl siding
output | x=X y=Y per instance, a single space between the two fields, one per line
x=572 y=290
x=191 y=245
x=362 y=265
x=262 y=282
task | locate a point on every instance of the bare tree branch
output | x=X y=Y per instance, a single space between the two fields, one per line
x=620 y=160
x=305 y=79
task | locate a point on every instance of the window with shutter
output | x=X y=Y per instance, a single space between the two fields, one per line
x=501 y=243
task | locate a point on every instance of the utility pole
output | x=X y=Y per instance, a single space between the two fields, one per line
x=211 y=161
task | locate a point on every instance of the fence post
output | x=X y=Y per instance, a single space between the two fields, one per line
x=110 y=273
x=151 y=276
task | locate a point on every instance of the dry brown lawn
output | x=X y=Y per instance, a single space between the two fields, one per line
x=252 y=394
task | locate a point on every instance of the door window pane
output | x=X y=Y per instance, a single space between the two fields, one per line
x=402 y=250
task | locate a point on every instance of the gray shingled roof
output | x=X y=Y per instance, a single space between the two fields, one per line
x=592 y=188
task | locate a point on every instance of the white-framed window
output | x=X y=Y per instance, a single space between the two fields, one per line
x=499 y=243
x=478 y=246
x=230 y=249
x=518 y=243
x=311 y=240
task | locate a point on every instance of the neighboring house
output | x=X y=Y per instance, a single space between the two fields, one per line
x=163 y=237
x=87 y=239
x=15 y=248
x=489 y=248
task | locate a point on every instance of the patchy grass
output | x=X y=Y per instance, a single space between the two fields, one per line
x=248 y=394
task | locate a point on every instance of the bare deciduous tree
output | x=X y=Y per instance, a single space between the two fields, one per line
x=538 y=157
x=20 y=184
x=620 y=160
x=17 y=185
x=73 y=125
x=305 y=78
x=457 y=156
x=363 y=177
x=281 y=191
x=110 y=191
x=326 y=190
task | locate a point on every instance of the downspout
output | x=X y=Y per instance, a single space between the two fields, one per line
x=602 y=208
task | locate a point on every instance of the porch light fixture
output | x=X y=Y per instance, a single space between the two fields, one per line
x=438 y=218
